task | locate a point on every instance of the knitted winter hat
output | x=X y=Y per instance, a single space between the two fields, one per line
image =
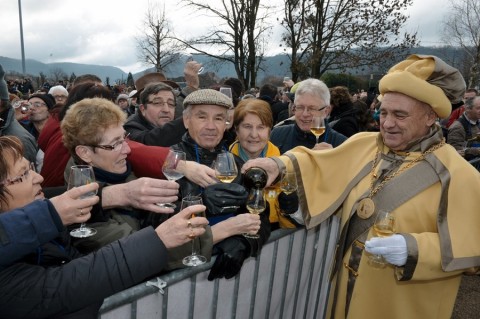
x=428 y=79
x=208 y=97
x=121 y=97
x=47 y=98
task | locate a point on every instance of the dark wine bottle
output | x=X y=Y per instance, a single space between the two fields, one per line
x=255 y=177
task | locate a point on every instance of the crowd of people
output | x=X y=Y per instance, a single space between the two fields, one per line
x=374 y=153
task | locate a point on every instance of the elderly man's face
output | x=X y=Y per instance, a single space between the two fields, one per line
x=206 y=124
x=306 y=107
x=403 y=119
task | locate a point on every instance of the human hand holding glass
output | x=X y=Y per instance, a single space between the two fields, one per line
x=384 y=226
x=255 y=205
x=172 y=170
x=194 y=259
x=317 y=126
x=82 y=175
x=225 y=167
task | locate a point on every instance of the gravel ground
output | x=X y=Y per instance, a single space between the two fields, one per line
x=467 y=305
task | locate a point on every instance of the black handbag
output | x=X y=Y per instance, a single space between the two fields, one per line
x=224 y=198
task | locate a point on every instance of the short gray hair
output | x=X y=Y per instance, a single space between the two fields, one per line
x=314 y=87
x=58 y=88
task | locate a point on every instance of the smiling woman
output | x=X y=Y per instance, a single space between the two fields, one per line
x=94 y=135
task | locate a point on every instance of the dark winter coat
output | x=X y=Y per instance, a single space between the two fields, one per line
x=286 y=137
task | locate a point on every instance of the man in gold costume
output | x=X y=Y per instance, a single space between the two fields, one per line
x=409 y=170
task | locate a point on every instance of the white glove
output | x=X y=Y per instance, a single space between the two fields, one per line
x=392 y=248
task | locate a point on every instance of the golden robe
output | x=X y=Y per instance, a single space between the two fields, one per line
x=442 y=232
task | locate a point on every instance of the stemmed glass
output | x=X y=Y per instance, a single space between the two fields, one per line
x=194 y=259
x=255 y=205
x=225 y=167
x=317 y=127
x=172 y=170
x=384 y=226
x=82 y=175
x=288 y=183
x=228 y=92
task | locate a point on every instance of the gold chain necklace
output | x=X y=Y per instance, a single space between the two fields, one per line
x=366 y=206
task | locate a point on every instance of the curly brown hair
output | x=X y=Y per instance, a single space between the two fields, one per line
x=339 y=96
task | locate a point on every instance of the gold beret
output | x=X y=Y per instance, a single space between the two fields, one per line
x=428 y=79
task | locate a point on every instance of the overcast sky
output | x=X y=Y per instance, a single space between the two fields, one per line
x=102 y=32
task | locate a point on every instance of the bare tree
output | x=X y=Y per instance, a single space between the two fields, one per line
x=58 y=74
x=156 y=46
x=338 y=34
x=462 y=29
x=240 y=38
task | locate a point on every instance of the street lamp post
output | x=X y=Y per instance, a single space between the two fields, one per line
x=21 y=36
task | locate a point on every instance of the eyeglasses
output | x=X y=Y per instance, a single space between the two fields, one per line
x=38 y=104
x=116 y=147
x=60 y=97
x=160 y=102
x=20 y=178
x=308 y=109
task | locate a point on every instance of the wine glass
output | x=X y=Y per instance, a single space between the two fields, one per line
x=288 y=183
x=194 y=259
x=255 y=205
x=384 y=226
x=82 y=175
x=317 y=127
x=228 y=92
x=225 y=167
x=172 y=170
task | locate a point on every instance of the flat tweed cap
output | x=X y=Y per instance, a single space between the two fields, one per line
x=208 y=97
x=428 y=79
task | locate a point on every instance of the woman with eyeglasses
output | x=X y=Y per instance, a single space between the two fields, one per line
x=47 y=276
x=94 y=135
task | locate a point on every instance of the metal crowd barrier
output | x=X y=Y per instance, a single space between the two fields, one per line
x=289 y=279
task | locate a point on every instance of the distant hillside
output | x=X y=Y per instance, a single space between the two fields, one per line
x=277 y=66
x=34 y=68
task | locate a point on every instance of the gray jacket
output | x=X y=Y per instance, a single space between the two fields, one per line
x=10 y=126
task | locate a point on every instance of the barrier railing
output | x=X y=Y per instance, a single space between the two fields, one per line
x=289 y=279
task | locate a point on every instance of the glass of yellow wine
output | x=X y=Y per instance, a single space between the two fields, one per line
x=225 y=167
x=384 y=226
x=288 y=183
x=255 y=205
x=317 y=127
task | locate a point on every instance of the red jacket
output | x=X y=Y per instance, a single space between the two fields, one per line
x=146 y=160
